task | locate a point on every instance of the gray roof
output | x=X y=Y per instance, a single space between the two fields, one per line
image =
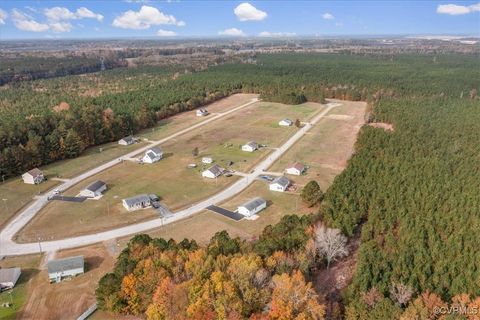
x=154 y=152
x=254 y=203
x=95 y=185
x=35 y=172
x=65 y=264
x=287 y=120
x=8 y=274
x=252 y=144
x=216 y=170
x=141 y=198
x=128 y=139
x=283 y=181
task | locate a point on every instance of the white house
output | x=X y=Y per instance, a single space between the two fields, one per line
x=285 y=123
x=94 y=189
x=207 y=160
x=250 y=146
x=252 y=207
x=65 y=268
x=138 y=202
x=202 y=112
x=213 y=172
x=296 y=169
x=280 y=184
x=152 y=155
x=127 y=141
x=9 y=277
x=34 y=176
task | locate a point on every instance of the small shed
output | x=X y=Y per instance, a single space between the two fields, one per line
x=252 y=207
x=202 y=112
x=136 y=203
x=213 y=172
x=94 y=189
x=34 y=176
x=250 y=146
x=285 y=123
x=207 y=160
x=9 y=277
x=65 y=268
x=127 y=141
x=280 y=184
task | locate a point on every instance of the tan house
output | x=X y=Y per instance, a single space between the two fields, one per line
x=34 y=176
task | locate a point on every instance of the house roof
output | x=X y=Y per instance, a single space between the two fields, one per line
x=137 y=199
x=128 y=139
x=216 y=170
x=254 y=203
x=8 y=274
x=283 y=181
x=298 y=166
x=286 y=120
x=95 y=185
x=65 y=264
x=252 y=144
x=156 y=151
x=35 y=172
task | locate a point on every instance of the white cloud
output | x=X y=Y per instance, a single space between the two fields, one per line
x=136 y=1
x=25 y=23
x=58 y=27
x=166 y=33
x=266 y=34
x=232 y=32
x=32 y=9
x=455 y=10
x=245 y=12
x=328 y=16
x=3 y=16
x=85 y=13
x=143 y=19
x=181 y=23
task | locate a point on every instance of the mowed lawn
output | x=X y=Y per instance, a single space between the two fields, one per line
x=176 y=185
x=14 y=195
x=326 y=148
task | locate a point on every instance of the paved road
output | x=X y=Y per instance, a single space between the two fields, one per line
x=9 y=247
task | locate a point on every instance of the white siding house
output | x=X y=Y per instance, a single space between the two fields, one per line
x=152 y=155
x=34 y=176
x=252 y=207
x=136 y=203
x=94 y=189
x=65 y=268
x=213 y=172
x=285 y=123
x=9 y=277
x=295 y=169
x=250 y=146
x=127 y=141
x=280 y=184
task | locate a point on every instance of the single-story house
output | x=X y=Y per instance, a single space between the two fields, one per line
x=9 y=277
x=152 y=155
x=207 y=160
x=127 y=141
x=65 y=268
x=138 y=202
x=285 y=123
x=202 y=112
x=252 y=207
x=250 y=146
x=213 y=172
x=94 y=189
x=296 y=169
x=280 y=184
x=34 y=176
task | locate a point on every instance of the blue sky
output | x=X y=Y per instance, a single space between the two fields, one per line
x=167 y=19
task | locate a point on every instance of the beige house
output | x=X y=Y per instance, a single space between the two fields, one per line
x=34 y=176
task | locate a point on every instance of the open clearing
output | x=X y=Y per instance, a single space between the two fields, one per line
x=170 y=178
x=328 y=146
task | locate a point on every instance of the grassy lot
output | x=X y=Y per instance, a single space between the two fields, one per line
x=170 y=178
x=328 y=146
x=19 y=294
x=17 y=194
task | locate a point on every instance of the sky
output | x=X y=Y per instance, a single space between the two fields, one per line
x=167 y=19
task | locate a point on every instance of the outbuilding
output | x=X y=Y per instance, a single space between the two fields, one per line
x=250 y=146
x=207 y=160
x=152 y=155
x=252 y=207
x=280 y=184
x=34 y=176
x=285 y=123
x=138 y=202
x=213 y=172
x=65 y=268
x=296 y=169
x=94 y=189
x=202 y=112
x=9 y=277
x=127 y=141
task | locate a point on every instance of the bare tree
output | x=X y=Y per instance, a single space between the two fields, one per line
x=330 y=243
x=372 y=297
x=401 y=293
